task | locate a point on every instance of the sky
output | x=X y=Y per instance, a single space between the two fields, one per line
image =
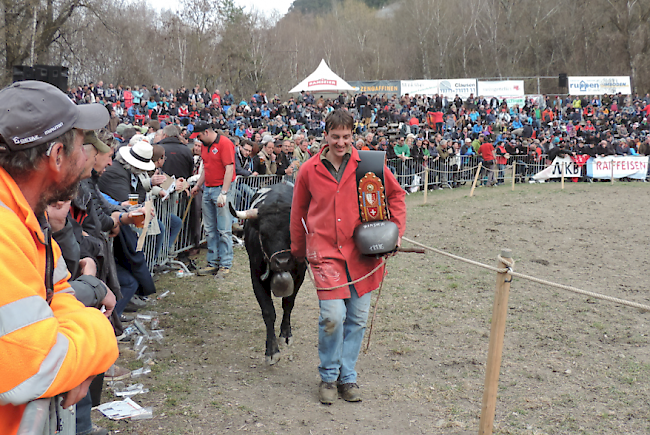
x=266 y=7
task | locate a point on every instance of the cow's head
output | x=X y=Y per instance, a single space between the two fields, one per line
x=270 y=225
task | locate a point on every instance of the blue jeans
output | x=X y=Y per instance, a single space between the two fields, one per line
x=341 y=326
x=82 y=415
x=217 y=222
x=128 y=286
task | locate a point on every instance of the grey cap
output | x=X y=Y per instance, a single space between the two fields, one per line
x=33 y=113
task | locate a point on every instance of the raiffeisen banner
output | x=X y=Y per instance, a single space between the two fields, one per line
x=501 y=88
x=599 y=85
x=448 y=87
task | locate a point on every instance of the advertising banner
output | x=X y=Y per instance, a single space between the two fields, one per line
x=377 y=87
x=571 y=169
x=624 y=166
x=501 y=88
x=419 y=87
x=450 y=88
x=599 y=85
x=600 y=168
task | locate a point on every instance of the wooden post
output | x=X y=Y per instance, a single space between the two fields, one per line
x=426 y=183
x=514 y=174
x=563 y=168
x=611 y=163
x=478 y=171
x=495 y=349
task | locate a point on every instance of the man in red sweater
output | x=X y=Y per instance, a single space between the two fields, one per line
x=486 y=151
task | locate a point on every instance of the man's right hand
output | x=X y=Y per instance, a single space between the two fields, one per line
x=195 y=190
x=108 y=302
x=77 y=393
x=88 y=266
x=157 y=179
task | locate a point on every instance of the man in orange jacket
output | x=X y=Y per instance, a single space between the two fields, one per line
x=325 y=199
x=51 y=346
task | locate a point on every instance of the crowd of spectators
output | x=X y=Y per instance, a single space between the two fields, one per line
x=275 y=136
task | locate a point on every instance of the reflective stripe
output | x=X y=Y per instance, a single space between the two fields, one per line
x=2 y=204
x=61 y=270
x=38 y=384
x=23 y=312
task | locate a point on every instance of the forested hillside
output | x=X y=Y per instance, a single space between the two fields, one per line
x=216 y=44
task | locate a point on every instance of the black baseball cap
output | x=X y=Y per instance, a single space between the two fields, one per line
x=33 y=113
x=198 y=128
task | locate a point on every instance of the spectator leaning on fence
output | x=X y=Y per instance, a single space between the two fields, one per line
x=50 y=343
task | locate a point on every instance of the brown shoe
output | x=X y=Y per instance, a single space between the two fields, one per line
x=327 y=392
x=350 y=392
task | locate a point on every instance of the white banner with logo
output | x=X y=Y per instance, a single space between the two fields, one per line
x=623 y=166
x=600 y=168
x=571 y=169
x=419 y=87
x=450 y=88
x=594 y=85
x=500 y=89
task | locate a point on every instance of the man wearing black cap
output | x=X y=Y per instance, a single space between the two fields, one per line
x=218 y=154
x=50 y=343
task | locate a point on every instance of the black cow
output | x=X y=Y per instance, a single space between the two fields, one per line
x=273 y=269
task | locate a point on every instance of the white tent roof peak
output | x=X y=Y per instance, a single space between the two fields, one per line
x=322 y=80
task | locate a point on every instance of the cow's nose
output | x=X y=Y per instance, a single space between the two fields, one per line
x=281 y=262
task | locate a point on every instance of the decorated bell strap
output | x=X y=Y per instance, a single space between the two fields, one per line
x=372 y=201
x=370 y=185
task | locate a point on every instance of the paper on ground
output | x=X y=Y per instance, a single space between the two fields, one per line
x=121 y=409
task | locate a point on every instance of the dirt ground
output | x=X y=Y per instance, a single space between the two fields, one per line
x=571 y=364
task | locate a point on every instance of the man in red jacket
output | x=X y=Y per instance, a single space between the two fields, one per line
x=325 y=201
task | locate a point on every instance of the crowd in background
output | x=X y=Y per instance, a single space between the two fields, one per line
x=274 y=136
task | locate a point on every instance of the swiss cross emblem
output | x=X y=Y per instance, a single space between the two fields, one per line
x=215 y=151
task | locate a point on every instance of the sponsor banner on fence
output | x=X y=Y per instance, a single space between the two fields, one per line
x=377 y=87
x=596 y=85
x=500 y=89
x=452 y=87
x=571 y=169
x=623 y=166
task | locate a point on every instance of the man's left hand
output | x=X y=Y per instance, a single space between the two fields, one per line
x=221 y=200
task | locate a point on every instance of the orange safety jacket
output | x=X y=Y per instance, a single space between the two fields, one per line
x=45 y=350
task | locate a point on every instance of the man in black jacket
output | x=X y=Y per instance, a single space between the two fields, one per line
x=179 y=161
x=284 y=164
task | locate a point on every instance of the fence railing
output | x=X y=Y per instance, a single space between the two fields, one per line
x=161 y=250
x=457 y=170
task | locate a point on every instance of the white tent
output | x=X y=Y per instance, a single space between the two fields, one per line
x=322 y=80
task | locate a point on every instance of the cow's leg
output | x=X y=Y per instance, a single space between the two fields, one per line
x=268 y=313
x=287 y=306
x=285 y=326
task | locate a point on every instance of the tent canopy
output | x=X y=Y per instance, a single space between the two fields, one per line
x=322 y=80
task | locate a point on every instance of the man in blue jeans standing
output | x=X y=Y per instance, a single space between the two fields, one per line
x=325 y=202
x=218 y=154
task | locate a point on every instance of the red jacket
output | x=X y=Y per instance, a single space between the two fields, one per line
x=331 y=212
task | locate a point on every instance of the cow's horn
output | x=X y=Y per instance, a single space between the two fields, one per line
x=248 y=214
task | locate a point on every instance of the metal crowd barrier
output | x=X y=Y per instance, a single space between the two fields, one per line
x=178 y=202
x=410 y=174
x=457 y=170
